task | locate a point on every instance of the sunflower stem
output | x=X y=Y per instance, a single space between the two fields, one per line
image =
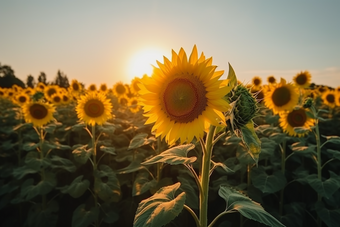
x=42 y=171
x=94 y=154
x=204 y=178
x=319 y=167
x=159 y=165
x=283 y=169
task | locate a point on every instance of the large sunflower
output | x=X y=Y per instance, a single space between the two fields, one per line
x=296 y=118
x=302 y=79
x=183 y=96
x=39 y=113
x=281 y=97
x=94 y=108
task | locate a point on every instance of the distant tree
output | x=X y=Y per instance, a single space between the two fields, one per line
x=42 y=78
x=7 y=77
x=30 y=81
x=61 y=80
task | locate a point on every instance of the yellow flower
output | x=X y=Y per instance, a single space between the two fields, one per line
x=281 y=97
x=134 y=105
x=296 y=118
x=119 y=89
x=103 y=88
x=271 y=80
x=92 y=88
x=94 y=108
x=21 y=98
x=75 y=87
x=123 y=100
x=39 y=113
x=302 y=79
x=56 y=99
x=50 y=90
x=40 y=86
x=183 y=96
x=328 y=98
x=66 y=98
x=256 y=82
x=134 y=85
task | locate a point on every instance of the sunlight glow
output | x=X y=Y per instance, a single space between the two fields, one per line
x=141 y=63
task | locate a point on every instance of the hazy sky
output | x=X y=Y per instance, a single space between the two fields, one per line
x=96 y=41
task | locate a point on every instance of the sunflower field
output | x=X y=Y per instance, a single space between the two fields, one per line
x=181 y=147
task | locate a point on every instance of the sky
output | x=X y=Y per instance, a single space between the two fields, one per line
x=115 y=41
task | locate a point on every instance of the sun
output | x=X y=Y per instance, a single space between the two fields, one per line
x=141 y=63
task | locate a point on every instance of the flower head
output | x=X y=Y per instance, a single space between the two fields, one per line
x=302 y=79
x=38 y=113
x=183 y=96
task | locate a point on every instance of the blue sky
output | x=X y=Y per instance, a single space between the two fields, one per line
x=95 y=41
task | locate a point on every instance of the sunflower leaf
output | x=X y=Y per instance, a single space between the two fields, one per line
x=247 y=207
x=62 y=163
x=173 y=156
x=330 y=217
x=106 y=184
x=77 y=188
x=267 y=183
x=161 y=208
x=29 y=190
x=250 y=138
x=142 y=183
x=81 y=154
x=108 y=150
x=82 y=217
x=140 y=140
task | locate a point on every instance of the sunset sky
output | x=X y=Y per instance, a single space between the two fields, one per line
x=111 y=41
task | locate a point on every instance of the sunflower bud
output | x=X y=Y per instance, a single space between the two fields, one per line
x=244 y=106
x=38 y=96
x=308 y=103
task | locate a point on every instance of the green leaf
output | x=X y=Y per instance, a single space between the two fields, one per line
x=232 y=76
x=277 y=137
x=247 y=207
x=134 y=166
x=106 y=184
x=188 y=185
x=78 y=127
x=108 y=150
x=33 y=161
x=251 y=140
x=20 y=126
x=81 y=154
x=140 y=140
x=84 y=218
x=335 y=153
x=268 y=183
x=332 y=139
x=107 y=128
x=330 y=217
x=62 y=163
x=77 y=188
x=22 y=171
x=173 y=156
x=307 y=151
x=223 y=166
x=39 y=217
x=30 y=146
x=159 y=209
x=324 y=188
x=142 y=183
x=50 y=128
x=29 y=191
x=108 y=214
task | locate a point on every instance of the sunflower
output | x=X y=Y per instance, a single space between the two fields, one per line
x=281 y=97
x=134 y=105
x=39 y=113
x=256 y=82
x=271 y=80
x=40 y=86
x=2 y=92
x=75 y=87
x=21 y=98
x=103 y=88
x=134 y=85
x=183 y=96
x=337 y=99
x=94 y=108
x=29 y=90
x=123 y=100
x=92 y=88
x=50 y=90
x=337 y=89
x=16 y=88
x=296 y=118
x=329 y=98
x=322 y=89
x=56 y=99
x=65 y=99
x=302 y=79
x=119 y=89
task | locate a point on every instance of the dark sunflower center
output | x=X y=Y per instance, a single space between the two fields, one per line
x=51 y=91
x=38 y=111
x=297 y=118
x=92 y=88
x=330 y=98
x=322 y=89
x=22 y=99
x=65 y=98
x=301 y=79
x=56 y=99
x=103 y=88
x=257 y=82
x=94 y=108
x=281 y=96
x=2 y=93
x=75 y=86
x=123 y=101
x=184 y=99
x=120 y=89
x=271 y=80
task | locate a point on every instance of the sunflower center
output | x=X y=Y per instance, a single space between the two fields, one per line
x=297 y=118
x=92 y=88
x=22 y=99
x=51 y=91
x=271 y=80
x=184 y=99
x=301 y=79
x=330 y=98
x=75 y=86
x=120 y=89
x=257 y=82
x=94 y=108
x=38 y=111
x=65 y=98
x=281 y=96
x=56 y=99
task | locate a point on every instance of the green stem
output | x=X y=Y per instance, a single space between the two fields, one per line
x=42 y=171
x=94 y=156
x=193 y=215
x=283 y=169
x=204 y=178
x=159 y=164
